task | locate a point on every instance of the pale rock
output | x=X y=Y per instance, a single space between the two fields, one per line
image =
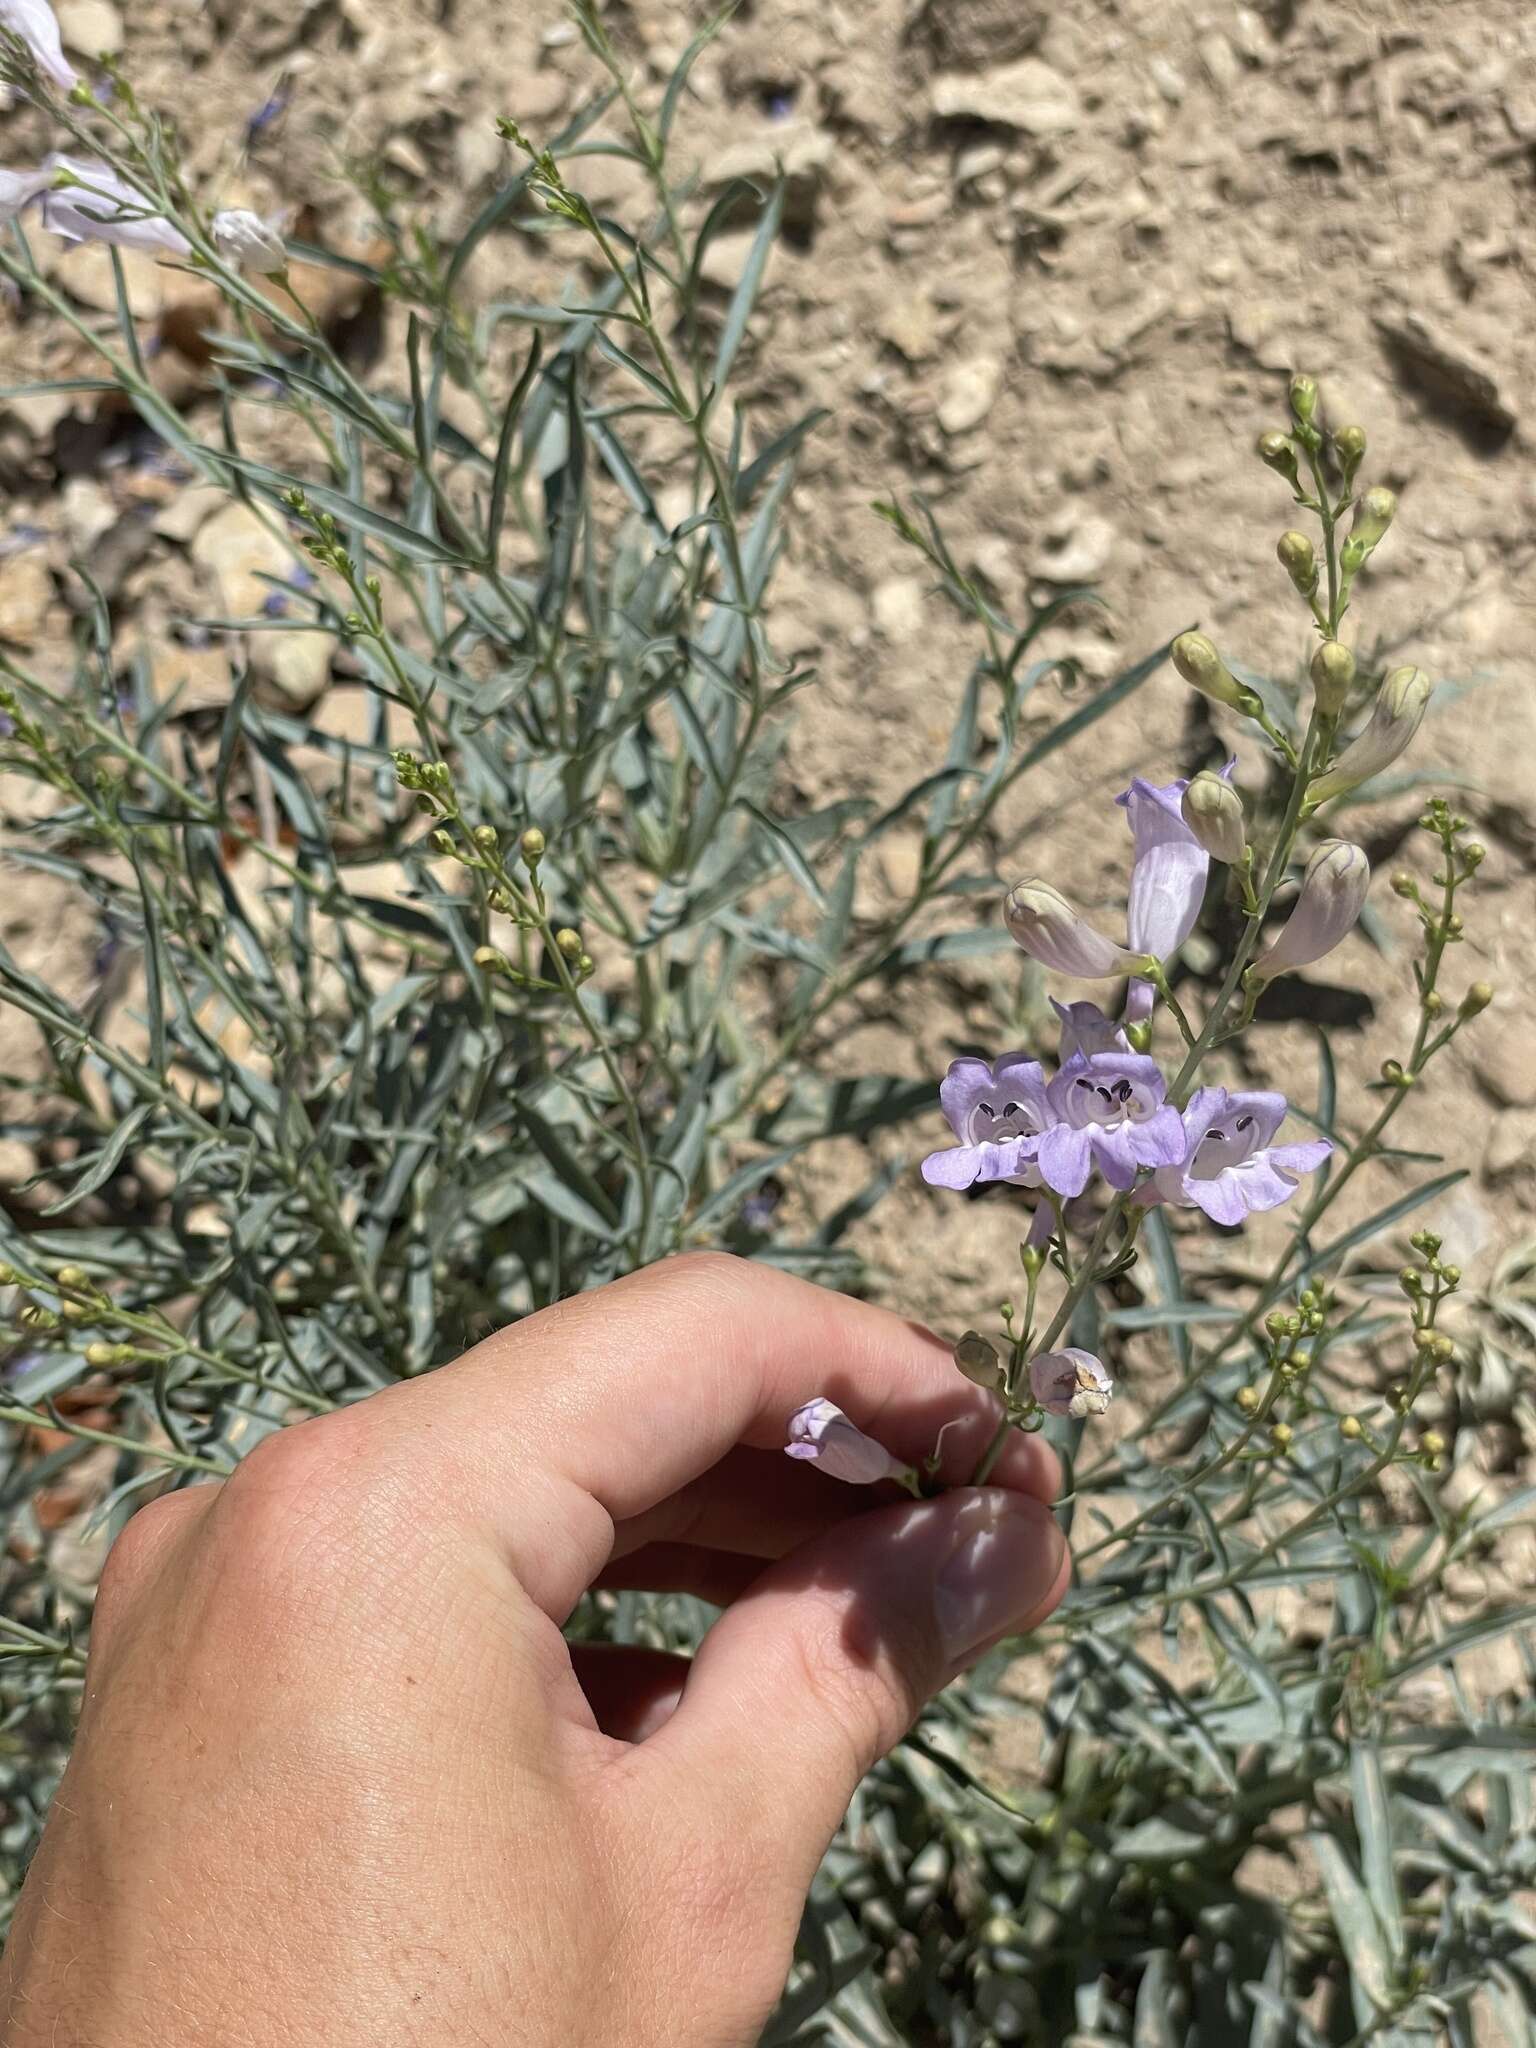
x=479 y=154
x=237 y=549
x=92 y=28
x=801 y=155
x=969 y=392
x=85 y=273
x=1081 y=555
x=1504 y=1055
x=26 y=591
x=909 y=321
x=899 y=608
x=726 y=258
x=1029 y=96
x=41 y=411
x=976 y=33
x=197 y=677
x=1220 y=61
x=190 y=509
x=88 y=512
x=1168 y=79
x=1511 y=1146
x=298 y=664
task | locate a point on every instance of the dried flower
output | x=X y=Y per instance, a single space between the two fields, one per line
x=247 y=242
x=1231 y=1166
x=1109 y=1112
x=1213 y=811
x=89 y=202
x=998 y=1113
x=821 y=1432
x=979 y=1362
x=33 y=21
x=1395 y=717
x=1070 y=1383
x=1044 y=923
x=1332 y=897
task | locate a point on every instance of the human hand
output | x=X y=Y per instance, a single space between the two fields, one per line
x=340 y=1778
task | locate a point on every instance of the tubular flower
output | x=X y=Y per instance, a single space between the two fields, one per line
x=33 y=21
x=820 y=1431
x=18 y=189
x=1070 y=1383
x=998 y=1113
x=93 y=204
x=1168 y=870
x=1110 y=1113
x=1332 y=897
x=1231 y=1165
x=1395 y=718
x=1044 y=923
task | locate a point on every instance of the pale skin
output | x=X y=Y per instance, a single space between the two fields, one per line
x=339 y=1776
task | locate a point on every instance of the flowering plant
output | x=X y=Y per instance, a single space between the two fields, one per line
x=534 y=969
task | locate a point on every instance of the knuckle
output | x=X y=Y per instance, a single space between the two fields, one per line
x=300 y=1515
x=135 y=1558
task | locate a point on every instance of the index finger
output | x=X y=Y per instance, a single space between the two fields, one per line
x=594 y=1410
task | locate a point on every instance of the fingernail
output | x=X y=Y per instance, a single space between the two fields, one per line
x=1007 y=1554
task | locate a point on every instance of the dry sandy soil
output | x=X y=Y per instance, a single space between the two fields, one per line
x=1051 y=264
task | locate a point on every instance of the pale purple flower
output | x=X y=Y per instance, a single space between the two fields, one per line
x=1168 y=870
x=96 y=205
x=1332 y=897
x=1110 y=1113
x=1070 y=1383
x=1231 y=1166
x=18 y=189
x=33 y=21
x=1086 y=1029
x=822 y=1432
x=247 y=242
x=998 y=1113
x=1044 y=923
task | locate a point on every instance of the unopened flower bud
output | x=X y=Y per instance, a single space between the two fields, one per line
x=531 y=845
x=486 y=839
x=1248 y=1399
x=1451 y=1275
x=73 y=1276
x=1411 y=1280
x=100 y=1354
x=1044 y=923
x=822 y=1433
x=1395 y=717
x=1213 y=811
x=1333 y=672
x=1445 y=1350
x=1474 y=853
x=1196 y=659
x=443 y=841
x=1282 y=1435
x=1476 y=999
x=978 y=1361
x=1298 y=558
x=1070 y=1383
x=1432 y=1443
x=246 y=242
x=1373 y=515
x=1276 y=451
x=1277 y=1322
x=1333 y=893
x=1403 y=884
x=569 y=942
x=585 y=965
x=1350 y=1427
x=1349 y=447
x=1304 y=397
x=1423 y=1339
x=1395 y=1074
x=489 y=958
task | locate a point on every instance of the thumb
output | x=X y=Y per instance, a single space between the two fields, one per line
x=825 y=1663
